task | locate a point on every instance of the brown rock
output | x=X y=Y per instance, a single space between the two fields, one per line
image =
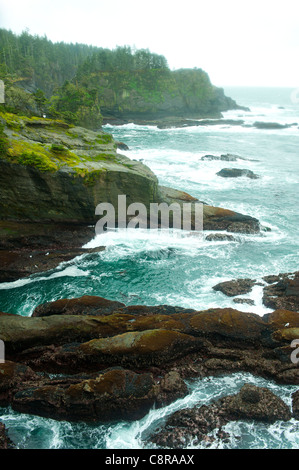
x=283 y=294
x=145 y=348
x=114 y=394
x=5 y=441
x=235 y=287
x=230 y=324
x=295 y=404
x=86 y=305
x=191 y=426
x=13 y=376
x=28 y=248
x=281 y=318
x=256 y=403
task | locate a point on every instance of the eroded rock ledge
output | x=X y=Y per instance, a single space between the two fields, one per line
x=191 y=426
x=115 y=361
x=279 y=291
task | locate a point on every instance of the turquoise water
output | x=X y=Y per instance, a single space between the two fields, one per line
x=142 y=267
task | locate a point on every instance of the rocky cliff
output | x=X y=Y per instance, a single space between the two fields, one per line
x=59 y=173
x=52 y=177
x=54 y=172
x=155 y=94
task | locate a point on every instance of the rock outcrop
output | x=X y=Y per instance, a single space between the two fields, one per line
x=236 y=173
x=102 y=397
x=53 y=176
x=235 y=287
x=29 y=248
x=295 y=404
x=5 y=441
x=272 y=125
x=53 y=172
x=86 y=305
x=281 y=291
x=214 y=218
x=151 y=94
x=125 y=360
x=284 y=293
x=192 y=426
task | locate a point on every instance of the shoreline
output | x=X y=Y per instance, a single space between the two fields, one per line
x=105 y=352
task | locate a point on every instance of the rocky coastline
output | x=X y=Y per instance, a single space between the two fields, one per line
x=52 y=177
x=92 y=359
x=97 y=360
x=177 y=122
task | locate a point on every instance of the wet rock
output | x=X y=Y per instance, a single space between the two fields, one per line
x=283 y=294
x=272 y=125
x=181 y=122
x=86 y=305
x=5 y=441
x=220 y=237
x=20 y=333
x=235 y=287
x=12 y=377
x=169 y=338
x=112 y=395
x=23 y=334
x=244 y=301
x=139 y=349
x=192 y=426
x=228 y=157
x=236 y=173
x=271 y=279
x=229 y=324
x=279 y=319
x=256 y=403
x=215 y=218
x=189 y=426
x=171 y=387
x=18 y=265
x=94 y=305
x=122 y=146
x=29 y=248
x=295 y=404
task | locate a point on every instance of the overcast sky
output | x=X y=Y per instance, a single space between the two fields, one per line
x=238 y=42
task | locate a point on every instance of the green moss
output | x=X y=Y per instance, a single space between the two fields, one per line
x=64 y=155
x=39 y=156
x=12 y=120
x=104 y=139
x=91 y=178
x=30 y=154
x=104 y=156
x=38 y=161
x=73 y=136
x=58 y=148
x=3 y=142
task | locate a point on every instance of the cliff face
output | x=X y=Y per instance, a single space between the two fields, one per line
x=161 y=93
x=58 y=173
x=53 y=172
x=154 y=94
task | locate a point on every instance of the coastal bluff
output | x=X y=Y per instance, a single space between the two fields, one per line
x=52 y=177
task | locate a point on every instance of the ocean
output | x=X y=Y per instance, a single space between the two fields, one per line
x=142 y=267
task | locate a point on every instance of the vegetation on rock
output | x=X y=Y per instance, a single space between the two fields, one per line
x=80 y=83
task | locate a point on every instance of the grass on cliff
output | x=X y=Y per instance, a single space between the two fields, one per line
x=47 y=156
